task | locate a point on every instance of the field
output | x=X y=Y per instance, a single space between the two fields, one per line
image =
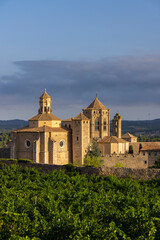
x=73 y=206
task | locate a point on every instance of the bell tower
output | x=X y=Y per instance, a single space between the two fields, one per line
x=116 y=125
x=45 y=103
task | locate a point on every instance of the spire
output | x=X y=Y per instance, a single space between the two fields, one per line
x=45 y=103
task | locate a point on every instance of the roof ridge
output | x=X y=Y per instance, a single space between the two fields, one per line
x=96 y=104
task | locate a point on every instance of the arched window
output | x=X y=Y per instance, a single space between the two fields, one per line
x=96 y=125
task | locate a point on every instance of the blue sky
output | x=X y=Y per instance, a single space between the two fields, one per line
x=75 y=49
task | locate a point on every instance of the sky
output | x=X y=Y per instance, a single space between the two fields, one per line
x=77 y=49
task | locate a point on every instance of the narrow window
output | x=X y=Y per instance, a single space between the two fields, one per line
x=104 y=126
x=45 y=109
x=69 y=126
x=77 y=138
x=96 y=125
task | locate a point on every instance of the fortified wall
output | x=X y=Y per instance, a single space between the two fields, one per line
x=143 y=174
x=128 y=160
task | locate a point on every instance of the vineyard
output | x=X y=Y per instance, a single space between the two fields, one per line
x=56 y=205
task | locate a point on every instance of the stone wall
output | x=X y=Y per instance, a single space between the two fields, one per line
x=128 y=161
x=4 y=152
x=144 y=174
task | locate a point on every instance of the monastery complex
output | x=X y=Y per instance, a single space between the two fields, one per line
x=49 y=140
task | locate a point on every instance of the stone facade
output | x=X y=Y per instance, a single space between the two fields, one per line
x=116 y=125
x=49 y=140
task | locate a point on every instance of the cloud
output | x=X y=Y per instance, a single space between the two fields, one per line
x=121 y=81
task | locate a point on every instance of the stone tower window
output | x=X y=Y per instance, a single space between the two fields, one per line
x=77 y=138
x=96 y=125
x=104 y=125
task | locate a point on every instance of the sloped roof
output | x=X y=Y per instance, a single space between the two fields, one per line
x=80 y=117
x=45 y=95
x=68 y=120
x=112 y=139
x=96 y=105
x=41 y=129
x=128 y=135
x=151 y=147
x=44 y=117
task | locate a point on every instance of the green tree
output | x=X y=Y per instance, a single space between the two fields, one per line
x=130 y=149
x=94 y=150
x=92 y=158
x=140 y=147
x=92 y=161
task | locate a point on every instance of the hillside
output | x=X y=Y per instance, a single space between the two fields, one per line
x=8 y=125
x=143 y=127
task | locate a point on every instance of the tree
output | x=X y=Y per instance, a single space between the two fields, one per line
x=140 y=147
x=92 y=158
x=130 y=149
x=94 y=149
x=92 y=161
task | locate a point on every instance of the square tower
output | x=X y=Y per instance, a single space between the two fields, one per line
x=99 y=117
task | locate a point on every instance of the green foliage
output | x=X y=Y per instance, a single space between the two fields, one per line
x=70 y=167
x=24 y=160
x=131 y=149
x=92 y=158
x=73 y=206
x=140 y=147
x=92 y=161
x=118 y=164
x=8 y=159
x=155 y=138
x=94 y=150
x=4 y=138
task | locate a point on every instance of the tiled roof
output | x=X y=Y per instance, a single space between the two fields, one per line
x=112 y=139
x=68 y=120
x=96 y=105
x=152 y=147
x=44 y=117
x=45 y=95
x=41 y=129
x=128 y=135
x=80 y=117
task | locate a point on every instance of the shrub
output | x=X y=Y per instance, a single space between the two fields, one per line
x=120 y=165
x=24 y=160
x=92 y=161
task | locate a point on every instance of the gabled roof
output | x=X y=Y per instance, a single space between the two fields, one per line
x=112 y=139
x=44 y=117
x=81 y=117
x=41 y=129
x=128 y=135
x=96 y=105
x=45 y=95
x=67 y=120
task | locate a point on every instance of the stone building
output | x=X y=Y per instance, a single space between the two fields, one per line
x=129 y=137
x=44 y=140
x=50 y=140
x=47 y=139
